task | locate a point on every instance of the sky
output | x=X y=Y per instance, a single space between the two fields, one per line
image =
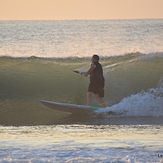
x=80 y=9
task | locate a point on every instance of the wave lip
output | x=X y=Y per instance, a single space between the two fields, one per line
x=124 y=56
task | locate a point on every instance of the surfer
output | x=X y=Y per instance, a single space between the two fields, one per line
x=97 y=81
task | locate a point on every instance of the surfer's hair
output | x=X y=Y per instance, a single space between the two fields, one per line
x=96 y=57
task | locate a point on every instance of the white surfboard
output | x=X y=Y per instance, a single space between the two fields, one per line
x=69 y=107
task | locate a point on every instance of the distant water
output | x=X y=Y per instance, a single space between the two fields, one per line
x=80 y=38
x=37 y=59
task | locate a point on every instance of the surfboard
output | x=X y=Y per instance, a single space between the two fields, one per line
x=69 y=107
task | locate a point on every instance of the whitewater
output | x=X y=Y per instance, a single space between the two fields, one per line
x=37 y=60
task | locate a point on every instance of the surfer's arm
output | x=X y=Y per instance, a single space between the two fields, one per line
x=93 y=66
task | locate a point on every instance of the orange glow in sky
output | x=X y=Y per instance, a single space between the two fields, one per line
x=80 y=9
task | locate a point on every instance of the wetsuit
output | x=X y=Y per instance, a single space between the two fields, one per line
x=97 y=80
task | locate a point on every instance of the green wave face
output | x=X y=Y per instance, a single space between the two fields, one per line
x=25 y=81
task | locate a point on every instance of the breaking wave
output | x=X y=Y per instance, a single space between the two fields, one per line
x=133 y=86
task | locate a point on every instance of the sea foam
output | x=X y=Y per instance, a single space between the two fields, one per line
x=145 y=103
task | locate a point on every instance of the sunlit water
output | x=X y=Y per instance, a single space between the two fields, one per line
x=82 y=143
x=80 y=38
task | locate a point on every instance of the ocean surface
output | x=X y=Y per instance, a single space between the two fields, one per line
x=37 y=59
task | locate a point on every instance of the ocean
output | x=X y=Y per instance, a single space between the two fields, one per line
x=37 y=60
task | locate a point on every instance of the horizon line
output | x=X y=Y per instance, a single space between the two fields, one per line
x=78 y=19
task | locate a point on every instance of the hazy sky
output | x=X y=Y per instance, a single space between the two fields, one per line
x=80 y=9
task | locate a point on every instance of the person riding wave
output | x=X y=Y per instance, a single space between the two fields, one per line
x=97 y=81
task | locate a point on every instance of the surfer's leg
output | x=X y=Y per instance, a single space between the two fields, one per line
x=89 y=98
x=100 y=100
